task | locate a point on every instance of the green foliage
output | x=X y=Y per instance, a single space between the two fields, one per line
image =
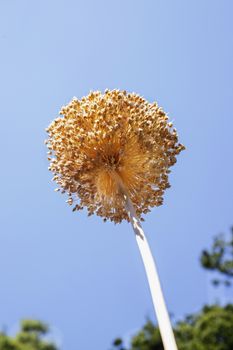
x=34 y=326
x=147 y=338
x=210 y=329
x=30 y=337
x=219 y=258
x=118 y=344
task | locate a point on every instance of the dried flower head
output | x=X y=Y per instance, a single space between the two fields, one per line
x=108 y=142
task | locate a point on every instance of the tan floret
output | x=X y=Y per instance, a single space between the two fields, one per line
x=104 y=141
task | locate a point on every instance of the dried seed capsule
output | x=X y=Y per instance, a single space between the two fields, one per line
x=105 y=141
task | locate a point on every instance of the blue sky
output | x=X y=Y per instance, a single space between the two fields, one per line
x=82 y=276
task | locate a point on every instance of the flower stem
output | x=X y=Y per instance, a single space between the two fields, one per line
x=164 y=323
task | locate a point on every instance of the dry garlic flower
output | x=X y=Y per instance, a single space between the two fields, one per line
x=106 y=142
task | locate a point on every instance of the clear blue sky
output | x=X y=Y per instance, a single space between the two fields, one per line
x=78 y=274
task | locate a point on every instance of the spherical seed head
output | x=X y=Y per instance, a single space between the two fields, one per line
x=107 y=144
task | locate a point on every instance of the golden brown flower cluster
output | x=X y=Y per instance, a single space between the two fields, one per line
x=109 y=144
